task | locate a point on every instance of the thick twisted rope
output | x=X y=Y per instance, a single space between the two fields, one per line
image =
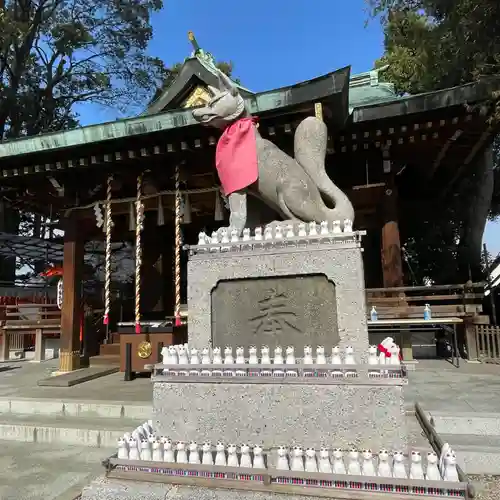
x=145 y=197
x=138 y=254
x=109 y=227
x=177 y=270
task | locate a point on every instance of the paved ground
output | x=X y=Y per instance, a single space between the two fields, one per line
x=437 y=385
x=32 y=472
x=47 y=472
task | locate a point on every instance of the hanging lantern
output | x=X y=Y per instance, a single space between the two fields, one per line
x=131 y=217
x=59 y=297
x=186 y=210
x=160 y=221
x=219 y=213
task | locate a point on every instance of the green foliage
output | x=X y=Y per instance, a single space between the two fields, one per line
x=55 y=54
x=431 y=45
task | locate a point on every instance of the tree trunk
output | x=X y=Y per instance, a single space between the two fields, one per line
x=479 y=203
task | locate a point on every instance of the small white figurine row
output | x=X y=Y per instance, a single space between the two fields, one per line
x=181 y=355
x=150 y=448
x=366 y=465
x=163 y=450
x=278 y=232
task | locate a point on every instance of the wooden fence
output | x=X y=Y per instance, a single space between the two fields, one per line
x=488 y=342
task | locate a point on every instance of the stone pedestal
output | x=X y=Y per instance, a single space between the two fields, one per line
x=363 y=413
x=293 y=293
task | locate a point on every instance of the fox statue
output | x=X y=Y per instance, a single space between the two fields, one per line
x=249 y=164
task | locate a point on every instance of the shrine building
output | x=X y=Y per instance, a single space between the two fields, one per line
x=151 y=181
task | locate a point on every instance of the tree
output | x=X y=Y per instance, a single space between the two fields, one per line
x=55 y=54
x=431 y=45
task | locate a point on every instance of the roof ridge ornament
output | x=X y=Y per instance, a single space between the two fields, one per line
x=200 y=54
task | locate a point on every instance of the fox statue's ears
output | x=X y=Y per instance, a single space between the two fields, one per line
x=225 y=83
x=214 y=91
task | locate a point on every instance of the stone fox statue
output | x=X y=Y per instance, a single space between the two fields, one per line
x=247 y=163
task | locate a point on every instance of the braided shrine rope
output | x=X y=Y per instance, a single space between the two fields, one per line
x=109 y=227
x=138 y=253
x=177 y=270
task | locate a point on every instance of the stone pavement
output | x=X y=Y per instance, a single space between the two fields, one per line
x=36 y=470
x=436 y=384
x=47 y=472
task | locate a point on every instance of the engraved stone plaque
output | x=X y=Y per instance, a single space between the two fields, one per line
x=288 y=310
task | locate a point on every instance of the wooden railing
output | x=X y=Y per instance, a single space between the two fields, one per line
x=409 y=302
x=23 y=325
x=488 y=342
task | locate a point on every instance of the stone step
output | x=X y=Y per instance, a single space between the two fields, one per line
x=475 y=454
x=479 y=424
x=46 y=429
x=11 y=407
x=105 y=359
x=109 y=349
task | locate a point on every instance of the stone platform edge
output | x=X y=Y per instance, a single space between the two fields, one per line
x=277 y=482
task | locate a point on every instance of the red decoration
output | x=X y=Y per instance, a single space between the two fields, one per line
x=381 y=349
x=52 y=271
x=236 y=156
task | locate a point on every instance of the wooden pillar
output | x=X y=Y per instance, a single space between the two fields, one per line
x=71 y=307
x=392 y=264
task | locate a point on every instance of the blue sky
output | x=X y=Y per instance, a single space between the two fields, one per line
x=272 y=43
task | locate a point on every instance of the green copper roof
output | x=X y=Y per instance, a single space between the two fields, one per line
x=368 y=100
x=366 y=89
x=323 y=87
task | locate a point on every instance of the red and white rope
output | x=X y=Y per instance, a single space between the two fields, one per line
x=177 y=266
x=138 y=253
x=108 y=227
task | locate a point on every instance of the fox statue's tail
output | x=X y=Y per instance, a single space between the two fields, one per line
x=310 y=151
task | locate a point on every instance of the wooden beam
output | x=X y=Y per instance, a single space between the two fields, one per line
x=483 y=139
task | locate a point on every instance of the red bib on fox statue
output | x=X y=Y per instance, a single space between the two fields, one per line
x=383 y=349
x=236 y=156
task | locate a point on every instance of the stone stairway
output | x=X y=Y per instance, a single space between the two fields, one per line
x=76 y=423
x=109 y=354
x=474 y=436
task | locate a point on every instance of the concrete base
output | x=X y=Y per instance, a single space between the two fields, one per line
x=310 y=415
